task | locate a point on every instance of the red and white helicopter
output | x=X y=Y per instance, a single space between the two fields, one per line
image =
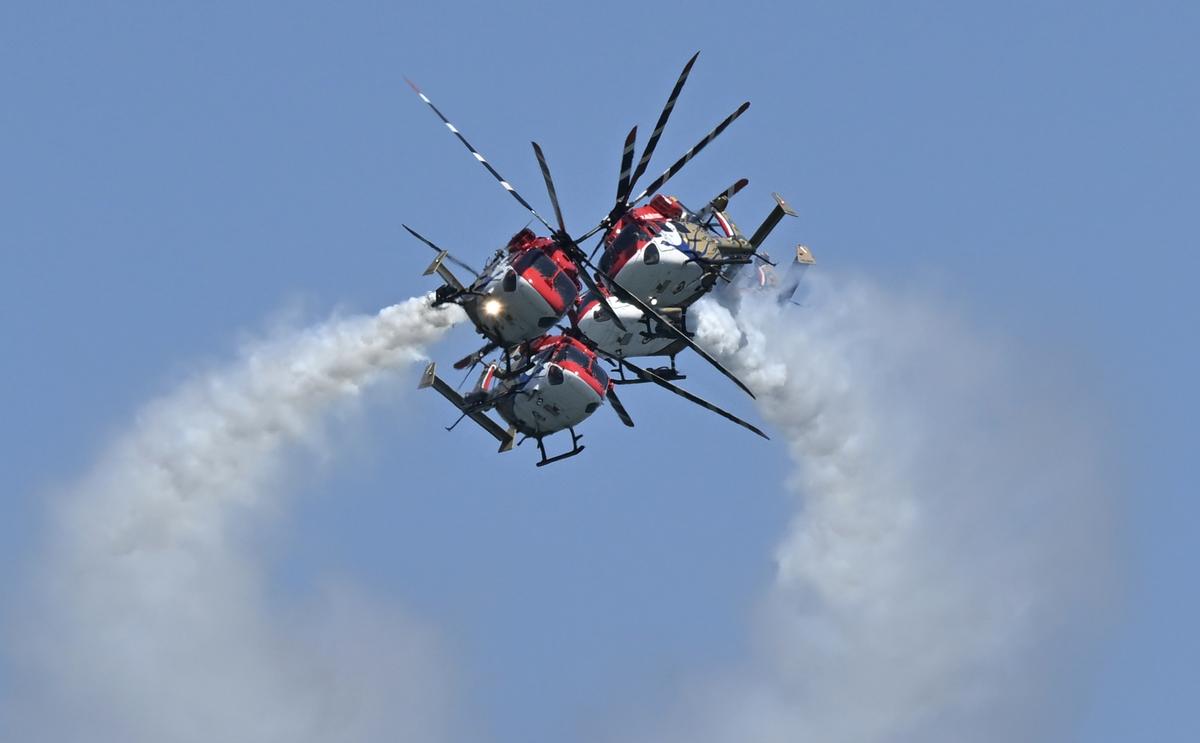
x=559 y=383
x=541 y=384
x=671 y=257
x=522 y=292
x=508 y=305
x=668 y=257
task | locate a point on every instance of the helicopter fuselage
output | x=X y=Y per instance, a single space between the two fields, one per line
x=658 y=259
x=522 y=293
x=638 y=339
x=561 y=385
x=510 y=311
x=667 y=256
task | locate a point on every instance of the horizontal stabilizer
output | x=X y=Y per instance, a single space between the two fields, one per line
x=430 y=379
x=439 y=267
x=784 y=205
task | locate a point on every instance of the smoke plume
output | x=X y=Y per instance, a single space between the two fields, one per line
x=950 y=541
x=150 y=621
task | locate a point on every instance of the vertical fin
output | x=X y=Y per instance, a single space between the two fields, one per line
x=777 y=213
x=795 y=273
x=439 y=267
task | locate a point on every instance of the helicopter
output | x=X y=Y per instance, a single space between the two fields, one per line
x=542 y=384
x=670 y=256
x=665 y=254
x=522 y=291
x=691 y=269
x=503 y=323
x=558 y=383
x=644 y=338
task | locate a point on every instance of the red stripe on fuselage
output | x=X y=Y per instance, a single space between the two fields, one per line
x=545 y=289
x=724 y=224
x=582 y=311
x=645 y=217
x=584 y=374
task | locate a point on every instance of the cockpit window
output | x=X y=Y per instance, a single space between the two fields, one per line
x=537 y=260
x=565 y=286
x=572 y=354
x=599 y=373
x=588 y=363
x=626 y=241
x=542 y=265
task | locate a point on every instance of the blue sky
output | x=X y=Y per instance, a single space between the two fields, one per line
x=176 y=175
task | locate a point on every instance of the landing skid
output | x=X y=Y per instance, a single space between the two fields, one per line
x=575 y=449
x=656 y=332
x=669 y=373
x=708 y=262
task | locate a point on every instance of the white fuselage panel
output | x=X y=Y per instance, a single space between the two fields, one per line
x=599 y=327
x=542 y=408
x=510 y=317
x=670 y=281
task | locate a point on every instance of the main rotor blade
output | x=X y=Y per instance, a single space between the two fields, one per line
x=482 y=161
x=449 y=257
x=671 y=171
x=624 y=183
x=733 y=190
x=652 y=377
x=565 y=240
x=662 y=122
x=628 y=296
x=592 y=254
x=604 y=225
x=620 y=410
x=541 y=158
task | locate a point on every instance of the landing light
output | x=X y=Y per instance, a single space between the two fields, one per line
x=492 y=307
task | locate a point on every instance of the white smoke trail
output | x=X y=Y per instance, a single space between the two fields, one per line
x=950 y=540
x=151 y=622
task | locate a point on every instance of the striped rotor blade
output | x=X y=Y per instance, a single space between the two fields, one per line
x=671 y=171
x=662 y=122
x=650 y=376
x=622 y=413
x=428 y=242
x=732 y=191
x=541 y=158
x=482 y=160
x=624 y=183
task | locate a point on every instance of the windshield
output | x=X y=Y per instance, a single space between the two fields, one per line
x=625 y=242
x=574 y=355
x=538 y=261
x=554 y=279
x=565 y=286
x=599 y=373
x=588 y=363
